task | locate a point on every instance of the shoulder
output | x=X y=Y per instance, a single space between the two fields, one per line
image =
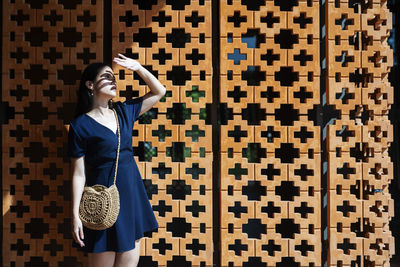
x=117 y=104
x=131 y=106
x=133 y=101
x=119 y=107
x=78 y=122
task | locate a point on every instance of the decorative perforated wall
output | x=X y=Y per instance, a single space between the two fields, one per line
x=270 y=147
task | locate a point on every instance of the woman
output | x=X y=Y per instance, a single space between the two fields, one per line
x=92 y=145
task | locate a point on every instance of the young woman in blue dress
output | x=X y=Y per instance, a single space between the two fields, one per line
x=97 y=88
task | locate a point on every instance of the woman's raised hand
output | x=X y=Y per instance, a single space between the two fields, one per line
x=127 y=62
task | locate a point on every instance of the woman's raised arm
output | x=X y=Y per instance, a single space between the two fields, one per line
x=157 y=90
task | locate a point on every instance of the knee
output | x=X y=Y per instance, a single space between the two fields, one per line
x=104 y=259
x=136 y=261
x=128 y=258
x=136 y=253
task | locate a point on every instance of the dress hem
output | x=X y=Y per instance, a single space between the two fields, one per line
x=122 y=250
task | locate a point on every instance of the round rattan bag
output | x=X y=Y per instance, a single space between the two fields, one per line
x=99 y=206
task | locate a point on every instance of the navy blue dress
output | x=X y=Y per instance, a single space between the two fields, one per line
x=99 y=144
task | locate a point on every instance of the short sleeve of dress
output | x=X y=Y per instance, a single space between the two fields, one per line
x=76 y=146
x=133 y=107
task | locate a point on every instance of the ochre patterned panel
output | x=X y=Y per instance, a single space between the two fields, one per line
x=360 y=169
x=173 y=142
x=270 y=149
x=46 y=45
x=273 y=151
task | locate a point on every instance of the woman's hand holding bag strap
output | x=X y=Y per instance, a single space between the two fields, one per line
x=99 y=206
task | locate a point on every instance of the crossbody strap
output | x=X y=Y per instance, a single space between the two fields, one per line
x=116 y=163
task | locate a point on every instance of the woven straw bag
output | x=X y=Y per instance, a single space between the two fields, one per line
x=99 y=206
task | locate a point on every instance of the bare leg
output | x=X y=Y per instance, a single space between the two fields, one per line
x=128 y=258
x=102 y=259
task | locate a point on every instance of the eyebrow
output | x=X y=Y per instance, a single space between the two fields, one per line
x=107 y=72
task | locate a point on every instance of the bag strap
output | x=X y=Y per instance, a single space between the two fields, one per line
x=116 y=164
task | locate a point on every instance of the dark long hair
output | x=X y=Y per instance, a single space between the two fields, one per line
x=85 y=99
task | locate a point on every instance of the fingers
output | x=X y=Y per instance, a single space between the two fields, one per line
x=76 y=234
x=121 y=55
x=118 y=60
x=81 y=232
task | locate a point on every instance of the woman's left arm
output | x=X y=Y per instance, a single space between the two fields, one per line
x=157 y=90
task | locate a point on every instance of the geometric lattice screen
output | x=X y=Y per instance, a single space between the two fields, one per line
x=46 y=45
x=270 y=147
x=173 y=142
x=359 y=167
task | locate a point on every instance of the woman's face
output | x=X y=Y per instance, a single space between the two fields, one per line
x=105 y=84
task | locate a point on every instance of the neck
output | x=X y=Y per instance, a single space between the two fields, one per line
x=100 y=107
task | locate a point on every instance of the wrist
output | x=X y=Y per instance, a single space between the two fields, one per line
x=139 y=68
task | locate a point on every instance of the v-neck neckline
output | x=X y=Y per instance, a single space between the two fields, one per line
x=115 y=133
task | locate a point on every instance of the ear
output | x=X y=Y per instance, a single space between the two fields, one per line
x=89 y=84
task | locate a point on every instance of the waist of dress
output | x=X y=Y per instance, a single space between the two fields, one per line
x=108 y=164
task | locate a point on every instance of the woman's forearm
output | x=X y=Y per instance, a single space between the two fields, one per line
x=154 y=84
x=78 y=183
